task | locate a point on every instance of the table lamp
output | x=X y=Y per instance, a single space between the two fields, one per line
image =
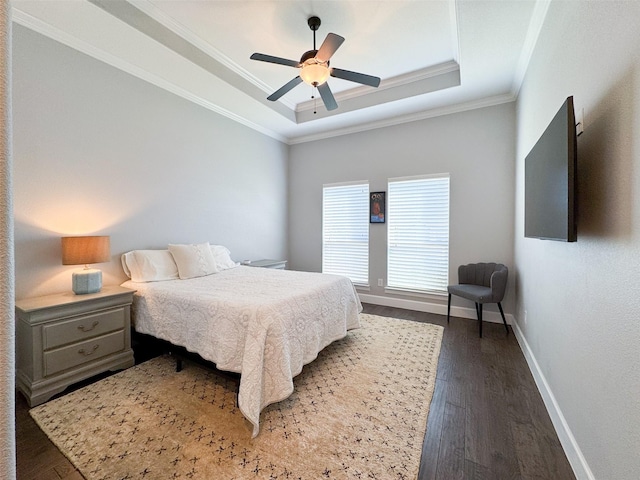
x=85 y=251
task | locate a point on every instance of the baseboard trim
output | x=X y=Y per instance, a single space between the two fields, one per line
x=571 y=448
x=430 y=307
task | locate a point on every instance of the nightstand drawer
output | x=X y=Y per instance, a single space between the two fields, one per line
x=83 y=352
x=82 y=328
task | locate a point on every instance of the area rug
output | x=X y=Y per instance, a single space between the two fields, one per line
x=358 y=411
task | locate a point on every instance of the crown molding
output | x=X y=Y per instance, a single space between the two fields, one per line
x=533 y=33
x=455 y=32
x=64 y=38
x=389 y=83
x=179 y=29
x=413 y=117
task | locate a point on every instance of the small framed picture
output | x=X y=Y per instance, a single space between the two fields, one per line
x=376 y=207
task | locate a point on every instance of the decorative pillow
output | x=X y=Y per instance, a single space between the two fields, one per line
x=222 y=257
x=193 y=260
x=149 y=265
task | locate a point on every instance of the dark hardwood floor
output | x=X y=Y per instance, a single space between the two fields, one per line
x=486 y=421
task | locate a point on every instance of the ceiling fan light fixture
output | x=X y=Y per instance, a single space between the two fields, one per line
x=314 y=68
x=314 y=73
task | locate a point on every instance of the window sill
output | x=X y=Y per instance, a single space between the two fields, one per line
x=436 y=295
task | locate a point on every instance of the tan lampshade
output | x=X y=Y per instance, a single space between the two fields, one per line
x=85 y=250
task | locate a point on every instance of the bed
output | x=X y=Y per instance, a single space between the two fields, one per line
x=264 y=324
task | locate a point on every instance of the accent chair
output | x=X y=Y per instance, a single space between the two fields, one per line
x=481 y=283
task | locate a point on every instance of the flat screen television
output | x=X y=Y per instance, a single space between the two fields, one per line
x=550 y=180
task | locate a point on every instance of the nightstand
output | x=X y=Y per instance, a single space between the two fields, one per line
x=64 y=338
x=278 y=264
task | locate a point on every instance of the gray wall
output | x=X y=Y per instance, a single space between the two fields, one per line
x=476 y=147
x=578 y=304
x=98 y=151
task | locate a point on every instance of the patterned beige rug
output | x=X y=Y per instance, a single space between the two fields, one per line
x=358 y=411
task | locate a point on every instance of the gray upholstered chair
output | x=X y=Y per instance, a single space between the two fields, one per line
x=481 y=283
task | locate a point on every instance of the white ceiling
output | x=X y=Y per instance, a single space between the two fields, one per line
x=434 y=57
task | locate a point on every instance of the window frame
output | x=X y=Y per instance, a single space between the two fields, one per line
x=360 y=274
x=438 y=266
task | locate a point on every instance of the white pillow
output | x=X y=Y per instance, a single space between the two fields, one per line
x=149 y=265
x=222 y=257
x=193 y=260
x=124 y=258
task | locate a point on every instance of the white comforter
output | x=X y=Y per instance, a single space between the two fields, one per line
x=262 y=323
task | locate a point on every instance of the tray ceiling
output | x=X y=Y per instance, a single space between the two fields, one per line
x=434 y=57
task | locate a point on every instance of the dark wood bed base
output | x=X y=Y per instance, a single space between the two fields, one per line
x=146 y=347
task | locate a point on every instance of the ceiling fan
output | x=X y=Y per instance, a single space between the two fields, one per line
x=314 y=68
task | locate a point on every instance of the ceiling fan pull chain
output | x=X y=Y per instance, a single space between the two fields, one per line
x=315 y=101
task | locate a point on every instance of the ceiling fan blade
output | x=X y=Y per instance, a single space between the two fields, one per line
x=329 y=47
x=284 y=89
x=280 y=61
x=355 y=77
x=327 y=96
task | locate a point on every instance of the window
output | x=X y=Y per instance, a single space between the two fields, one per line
x=418 y=233
x=345 y=231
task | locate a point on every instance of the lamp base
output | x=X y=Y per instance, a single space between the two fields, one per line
x=86 y=281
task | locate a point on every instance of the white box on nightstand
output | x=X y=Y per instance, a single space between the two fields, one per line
x=266 y=263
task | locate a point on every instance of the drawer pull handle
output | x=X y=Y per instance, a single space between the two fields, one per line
x=82 y=351
x=82 y=328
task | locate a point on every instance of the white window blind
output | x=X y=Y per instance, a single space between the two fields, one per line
x=345 y=231
x=418 y=233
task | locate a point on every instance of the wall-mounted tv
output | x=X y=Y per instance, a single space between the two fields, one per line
x=550 y=180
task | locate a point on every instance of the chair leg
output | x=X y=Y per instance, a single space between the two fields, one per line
x=504 y=320
x=448 y=308
x=479 y=312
